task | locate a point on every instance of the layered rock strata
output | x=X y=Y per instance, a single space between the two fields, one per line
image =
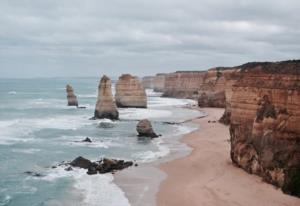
x=265 y=122
x=71 y=97
x=159 y=82
x=105 y=106
x=130 y=92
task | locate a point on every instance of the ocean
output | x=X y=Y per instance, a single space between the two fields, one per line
x=38 y=130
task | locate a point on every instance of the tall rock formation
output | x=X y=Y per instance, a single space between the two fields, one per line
x=105 y=106
x=72 y=99
x=265 y=122
x=130 y=92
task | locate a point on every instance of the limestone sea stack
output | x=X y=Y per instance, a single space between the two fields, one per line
x=105 y=106
x=265 y=123
x=130 y=92
x=145 y=129
x=72 y=99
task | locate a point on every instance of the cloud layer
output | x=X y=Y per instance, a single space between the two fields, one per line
x=91 y=37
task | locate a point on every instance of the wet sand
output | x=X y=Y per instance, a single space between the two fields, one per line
x=207 y=177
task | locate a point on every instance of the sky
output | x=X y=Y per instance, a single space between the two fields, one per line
x=51 y=38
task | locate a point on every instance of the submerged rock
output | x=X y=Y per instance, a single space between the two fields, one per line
x=105 y=106
x=72 y=99
x=130 y=92
x=144 y=129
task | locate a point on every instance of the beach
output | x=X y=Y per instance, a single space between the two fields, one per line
x=207 y=176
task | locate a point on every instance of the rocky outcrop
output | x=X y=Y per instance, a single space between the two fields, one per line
x=105 y=165
x=105 y=106
x=265 y=117
x=144 y=129
x=212 y=99
x=130 y=92
x=72 y=99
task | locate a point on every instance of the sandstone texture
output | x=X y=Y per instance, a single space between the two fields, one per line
x=265 y=122
x=72 y=99
x=130 y=92
x=144 y=129
x=105 y=106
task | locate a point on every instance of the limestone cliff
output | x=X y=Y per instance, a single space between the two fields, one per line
x=71 y=97
x=183 y=84
x=130 y=92
x=105 y=106
x=265 y=122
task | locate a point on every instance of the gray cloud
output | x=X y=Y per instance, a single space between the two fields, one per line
x=87 y=38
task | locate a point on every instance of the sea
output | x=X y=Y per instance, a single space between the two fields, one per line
x=38 y=131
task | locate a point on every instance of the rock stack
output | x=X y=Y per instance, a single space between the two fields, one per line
x=72 y=99
x=144 y=129
x=105 y=106
x=130 y=92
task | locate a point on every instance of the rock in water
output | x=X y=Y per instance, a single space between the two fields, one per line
x=81 y=162
x=72 y=99
x=144 y=128
x=105 y=106
x=130 y=92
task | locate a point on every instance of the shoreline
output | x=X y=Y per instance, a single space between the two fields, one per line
x=141 y=184
x=207 y=177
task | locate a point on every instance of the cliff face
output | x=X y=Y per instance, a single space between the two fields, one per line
x=183 y=84
x=105 y=106
x=265 y=122
x=72 y=99
x=130 y=92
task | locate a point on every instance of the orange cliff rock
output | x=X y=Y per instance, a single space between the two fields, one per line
x=130 y=92
x=71 y=97
x=265 y=122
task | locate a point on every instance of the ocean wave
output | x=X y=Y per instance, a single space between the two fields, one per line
x=20 y=129
x=12 y=92
x=26 y=151
x=95 y=189
x=4 y=199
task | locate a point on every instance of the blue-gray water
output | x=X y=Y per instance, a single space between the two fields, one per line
x=38 y=130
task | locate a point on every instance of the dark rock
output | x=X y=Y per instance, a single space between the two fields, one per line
x=81 y=163
x=34 y=174
x=87 y=140
x=92 y=170
x=69 y=169
x=144 y=129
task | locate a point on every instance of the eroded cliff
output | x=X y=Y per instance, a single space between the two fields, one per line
x=265 y=122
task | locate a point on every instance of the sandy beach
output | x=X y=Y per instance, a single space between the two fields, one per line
x=207 y=177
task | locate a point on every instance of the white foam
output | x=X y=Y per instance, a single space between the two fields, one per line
x=87 y=95
x=149 y=156
x=76 y=141
x=96 y=190
x=5 y=200
x=12 y=92
x=100 y=190
x=20 y=129
x=136 y=113
x=26 y=151
x=167 y=102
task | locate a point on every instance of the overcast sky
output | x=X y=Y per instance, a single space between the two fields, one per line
x=92 y=37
